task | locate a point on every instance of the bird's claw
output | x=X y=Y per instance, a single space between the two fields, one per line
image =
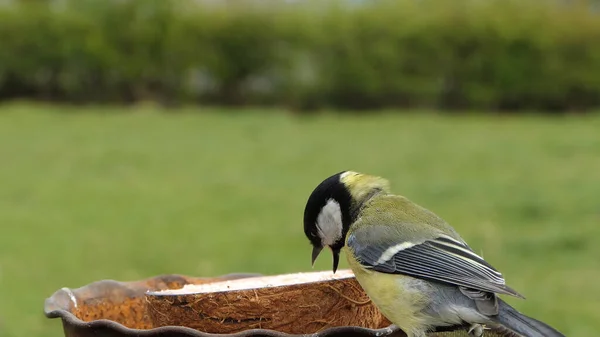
x=476 y=330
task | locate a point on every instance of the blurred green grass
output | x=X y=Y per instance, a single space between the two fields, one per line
x=131 y=193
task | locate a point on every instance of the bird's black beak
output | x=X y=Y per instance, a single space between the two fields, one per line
x=336 y=256
x=336 y=259
x=315 y=254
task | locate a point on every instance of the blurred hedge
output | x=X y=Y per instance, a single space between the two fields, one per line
x=469 y=54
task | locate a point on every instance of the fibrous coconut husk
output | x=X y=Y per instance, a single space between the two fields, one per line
x=292 y=303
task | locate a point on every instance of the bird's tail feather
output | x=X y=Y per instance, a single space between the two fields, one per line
x=515 y=321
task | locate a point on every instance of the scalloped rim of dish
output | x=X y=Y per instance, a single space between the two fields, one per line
x=59 y=306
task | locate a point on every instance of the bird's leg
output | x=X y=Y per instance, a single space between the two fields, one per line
x=476 y=330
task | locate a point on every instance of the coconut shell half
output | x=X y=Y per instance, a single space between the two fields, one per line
x=301 y=303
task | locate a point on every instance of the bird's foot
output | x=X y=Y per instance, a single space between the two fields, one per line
x=476 y=330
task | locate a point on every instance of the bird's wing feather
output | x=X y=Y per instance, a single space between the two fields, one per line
x=443 y=259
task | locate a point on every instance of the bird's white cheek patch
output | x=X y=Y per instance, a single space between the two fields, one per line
x=329 y=223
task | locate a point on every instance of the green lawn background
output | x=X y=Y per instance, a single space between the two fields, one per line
x=116 y=193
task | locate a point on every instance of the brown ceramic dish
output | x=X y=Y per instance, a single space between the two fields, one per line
x=118 y=309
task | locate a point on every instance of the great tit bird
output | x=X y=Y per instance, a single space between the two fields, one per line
x=412 y=264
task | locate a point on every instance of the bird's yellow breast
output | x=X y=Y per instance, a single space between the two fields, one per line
x=400 y=298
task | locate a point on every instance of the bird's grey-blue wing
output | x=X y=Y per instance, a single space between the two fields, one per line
x=441 y=259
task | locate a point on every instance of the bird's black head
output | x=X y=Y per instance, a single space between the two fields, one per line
x=327 y=216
